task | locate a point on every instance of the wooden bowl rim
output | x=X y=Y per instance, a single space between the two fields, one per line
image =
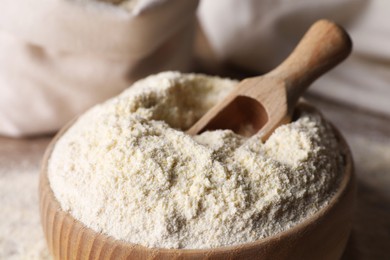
x=344 y=183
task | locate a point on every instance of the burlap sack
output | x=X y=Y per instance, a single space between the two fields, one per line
x=59 y=57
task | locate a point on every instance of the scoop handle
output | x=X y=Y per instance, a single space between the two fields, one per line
x=323 y=46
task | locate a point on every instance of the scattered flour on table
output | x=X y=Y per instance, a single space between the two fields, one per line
x=127 y=169
x=21 y=236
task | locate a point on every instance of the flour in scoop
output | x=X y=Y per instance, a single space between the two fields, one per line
x=126 y=168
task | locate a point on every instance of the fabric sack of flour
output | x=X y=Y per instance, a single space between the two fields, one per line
x=269 y=30
x=59 y=57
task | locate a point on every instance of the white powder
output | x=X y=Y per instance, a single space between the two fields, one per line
x=126 y=169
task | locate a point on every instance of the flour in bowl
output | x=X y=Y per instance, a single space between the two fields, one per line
x=126 y=168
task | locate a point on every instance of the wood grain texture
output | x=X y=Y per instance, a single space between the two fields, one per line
x=265 y=102
x=322 y=236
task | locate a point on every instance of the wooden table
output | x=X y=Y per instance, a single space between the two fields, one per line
x=368 y=135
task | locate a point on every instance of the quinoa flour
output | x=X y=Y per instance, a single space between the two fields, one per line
x=126 y=168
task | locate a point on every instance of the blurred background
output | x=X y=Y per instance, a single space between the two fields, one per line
x=60 y=57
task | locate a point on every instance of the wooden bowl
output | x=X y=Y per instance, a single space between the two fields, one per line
x=321 y=236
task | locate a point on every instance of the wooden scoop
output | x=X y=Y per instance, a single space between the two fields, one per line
x=265 y=102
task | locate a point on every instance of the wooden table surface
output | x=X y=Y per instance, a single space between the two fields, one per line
x=368 y=135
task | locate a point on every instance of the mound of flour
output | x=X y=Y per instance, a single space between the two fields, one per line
x=127 y=169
